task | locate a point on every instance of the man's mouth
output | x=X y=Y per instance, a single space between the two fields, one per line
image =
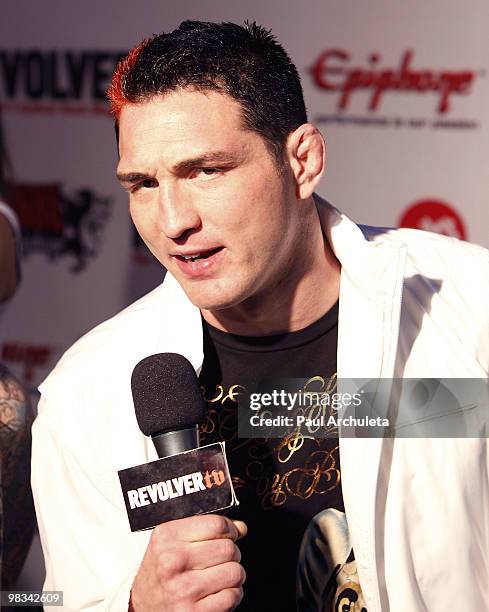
x=200 y=264
x=199 y=256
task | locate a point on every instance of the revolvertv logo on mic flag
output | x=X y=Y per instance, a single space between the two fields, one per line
x=193 y=482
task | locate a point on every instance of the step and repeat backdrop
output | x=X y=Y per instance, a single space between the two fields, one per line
x=399 y=90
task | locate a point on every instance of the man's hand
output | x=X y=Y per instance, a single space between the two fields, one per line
x=191 y=565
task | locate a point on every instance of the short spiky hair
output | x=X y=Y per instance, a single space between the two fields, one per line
x=245 y=62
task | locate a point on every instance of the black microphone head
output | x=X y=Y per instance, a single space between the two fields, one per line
x=166 y=394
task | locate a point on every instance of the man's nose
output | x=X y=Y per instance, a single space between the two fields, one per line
x=177 y=212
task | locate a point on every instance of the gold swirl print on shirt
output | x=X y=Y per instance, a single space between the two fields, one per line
x=318 y=472
x=318 y=476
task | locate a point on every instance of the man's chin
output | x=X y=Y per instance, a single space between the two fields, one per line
x=213 y=305
x=212 y=300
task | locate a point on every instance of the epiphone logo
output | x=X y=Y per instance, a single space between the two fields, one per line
x=332 y=71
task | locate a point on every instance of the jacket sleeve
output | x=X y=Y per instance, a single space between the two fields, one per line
x=90 y=553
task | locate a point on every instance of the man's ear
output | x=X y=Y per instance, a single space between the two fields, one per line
x=306 y=152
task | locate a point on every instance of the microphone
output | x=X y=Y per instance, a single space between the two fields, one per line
x=187 y=479
x=168 y=403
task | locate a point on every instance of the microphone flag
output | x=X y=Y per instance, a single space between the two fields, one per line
x=187 y=484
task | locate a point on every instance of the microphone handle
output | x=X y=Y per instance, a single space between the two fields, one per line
x=176 y=441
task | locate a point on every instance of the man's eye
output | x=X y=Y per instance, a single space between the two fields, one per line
x=146 y=184
x=206 y=171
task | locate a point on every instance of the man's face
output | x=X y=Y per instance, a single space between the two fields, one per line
x=206 y=196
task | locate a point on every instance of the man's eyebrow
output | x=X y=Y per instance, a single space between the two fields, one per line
x=132 y=177
x=219 y=157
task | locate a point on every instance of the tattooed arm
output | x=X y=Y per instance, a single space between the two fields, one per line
x=18 y=517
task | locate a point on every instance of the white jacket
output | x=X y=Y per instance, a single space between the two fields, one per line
x=412 y=304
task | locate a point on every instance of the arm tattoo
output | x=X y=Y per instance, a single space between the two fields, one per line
x=15 y=411
x=17 y=517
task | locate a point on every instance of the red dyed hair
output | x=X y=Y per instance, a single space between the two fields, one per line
x=115 y=92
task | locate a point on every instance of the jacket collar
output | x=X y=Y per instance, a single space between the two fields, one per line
x=372 y=273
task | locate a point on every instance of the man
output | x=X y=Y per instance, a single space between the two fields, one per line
x=264 y=279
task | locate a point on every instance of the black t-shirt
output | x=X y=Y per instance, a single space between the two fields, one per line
x=289 y=489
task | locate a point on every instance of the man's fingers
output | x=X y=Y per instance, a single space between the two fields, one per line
x=242 y=529
x=201 y=555
x=223 y=601
x=199 y=529
x=197 y=584
x=190 y=559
